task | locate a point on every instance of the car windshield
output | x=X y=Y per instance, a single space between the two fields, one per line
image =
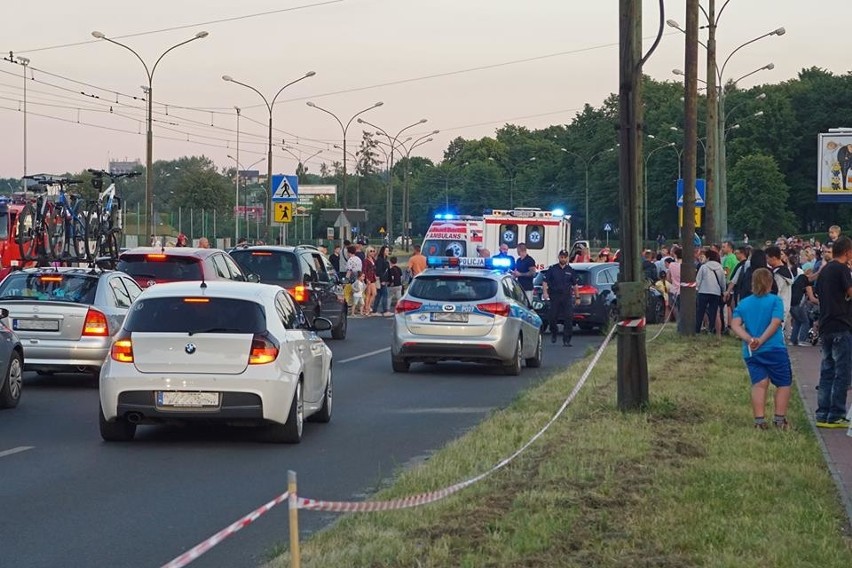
x=50 y=286
x=270 y=266
x=452 y=288
x=160 y=267
x=196 y=315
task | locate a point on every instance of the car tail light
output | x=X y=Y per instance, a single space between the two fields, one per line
x=156 y=256
x=407 y=306
x=50 y=278
x=96 y=324
x=261 y=253
x=263 y=350
x=300 y=293
x=587 y=294
x=122 y=349
x=496 y=308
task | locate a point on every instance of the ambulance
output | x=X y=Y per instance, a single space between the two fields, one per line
x=544 y=232
x=460 y=234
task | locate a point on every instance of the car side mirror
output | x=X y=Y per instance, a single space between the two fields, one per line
x=321 y=324
x=253 y=278
x=4 y=313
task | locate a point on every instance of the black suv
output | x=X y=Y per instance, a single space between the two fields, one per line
x=304 y=272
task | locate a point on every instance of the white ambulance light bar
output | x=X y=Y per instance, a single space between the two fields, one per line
x=529 y=213
x=454 y=217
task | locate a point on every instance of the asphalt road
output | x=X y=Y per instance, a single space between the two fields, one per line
x=69 y=499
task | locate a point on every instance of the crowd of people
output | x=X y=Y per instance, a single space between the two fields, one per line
x=789 y=293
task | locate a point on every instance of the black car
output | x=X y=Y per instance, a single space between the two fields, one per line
x=598 y=303
x=304 y=272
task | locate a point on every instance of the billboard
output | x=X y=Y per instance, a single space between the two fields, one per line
x=834 y=168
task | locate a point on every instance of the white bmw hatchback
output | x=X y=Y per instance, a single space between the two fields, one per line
x=217 y=351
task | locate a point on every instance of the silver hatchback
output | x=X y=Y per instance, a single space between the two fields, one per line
x=66 y=317
x=466 y=314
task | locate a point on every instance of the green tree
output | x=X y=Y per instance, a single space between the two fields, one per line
x=758 y=198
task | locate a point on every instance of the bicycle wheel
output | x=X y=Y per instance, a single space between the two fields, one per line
x=26 y=233
x=93 y=230
x=109 y=249
x=77 y=238
x=55 y=223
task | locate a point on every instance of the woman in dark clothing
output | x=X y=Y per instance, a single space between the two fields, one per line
x=380 y=304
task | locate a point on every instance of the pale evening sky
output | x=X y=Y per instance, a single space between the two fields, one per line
x=537 y=62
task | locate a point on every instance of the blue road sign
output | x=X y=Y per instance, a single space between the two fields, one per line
x=285 y=188
x=607 y=227
x=700 y=186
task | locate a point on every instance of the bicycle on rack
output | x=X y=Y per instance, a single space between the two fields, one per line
x=103 y=229
x=50 y=231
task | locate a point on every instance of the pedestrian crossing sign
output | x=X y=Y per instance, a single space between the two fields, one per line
x=283 y=212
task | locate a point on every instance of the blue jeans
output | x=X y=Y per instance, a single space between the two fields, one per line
x=801 y=324
x=834 y=375
x=381 y=299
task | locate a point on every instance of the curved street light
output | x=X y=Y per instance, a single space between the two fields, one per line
x=269 y=107
x=586 y=163
x=393 y=143
x=237 y=196
x=406 y=197
x=345 y=129
x=149 y=152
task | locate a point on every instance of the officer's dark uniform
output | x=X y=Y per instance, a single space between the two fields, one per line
x=561 y=281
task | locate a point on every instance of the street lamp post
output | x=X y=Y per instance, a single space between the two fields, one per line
x=345 y=129
x=24 y=63
x=149 y=152
x=269 y=107
x=393 y=143
x=299 y=161
x=236 y=211
x=715 y=174
x=645 y=186
x=406 y=191
x=586 y=163
x=237 y=184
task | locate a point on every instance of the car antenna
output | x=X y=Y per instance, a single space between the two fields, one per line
x=203 y=282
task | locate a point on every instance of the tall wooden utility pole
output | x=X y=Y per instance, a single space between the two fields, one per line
x=632 y=357
x=686 y=324
x=711 y=194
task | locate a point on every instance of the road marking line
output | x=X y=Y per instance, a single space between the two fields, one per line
x=17 y=450
x=450 y=410
x=365 y=355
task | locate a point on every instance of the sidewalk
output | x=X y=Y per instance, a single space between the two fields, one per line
x=836 y=445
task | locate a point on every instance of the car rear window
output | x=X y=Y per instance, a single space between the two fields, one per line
x=196 y=315
x=160 y=267
x=583 y=277
x=270 y=266
x=453 y=289
x=77 y=288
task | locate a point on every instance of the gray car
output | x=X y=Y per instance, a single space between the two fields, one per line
x=466 y=314
x=11 y=365
x=66 y=317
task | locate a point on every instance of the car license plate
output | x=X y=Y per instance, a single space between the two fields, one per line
x=182 y=399
x=35 y=325
x=449 y=317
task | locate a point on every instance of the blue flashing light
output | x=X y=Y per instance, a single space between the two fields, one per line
x=502 y=263
x=439 y=216
x=558 y=212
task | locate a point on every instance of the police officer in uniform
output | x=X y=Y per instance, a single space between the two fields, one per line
x=560 y=285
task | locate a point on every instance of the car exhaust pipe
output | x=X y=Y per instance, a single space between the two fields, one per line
x=134 y=417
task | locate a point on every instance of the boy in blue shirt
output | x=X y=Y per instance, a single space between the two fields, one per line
x=757 y=321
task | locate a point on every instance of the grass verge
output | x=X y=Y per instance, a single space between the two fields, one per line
x=687 y=482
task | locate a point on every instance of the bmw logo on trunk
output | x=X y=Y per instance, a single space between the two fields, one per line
x=449 y=308
x=190 y=348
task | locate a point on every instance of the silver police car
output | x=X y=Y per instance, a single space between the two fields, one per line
x=465 y=310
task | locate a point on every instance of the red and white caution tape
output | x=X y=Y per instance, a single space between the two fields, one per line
x=422 y=499
x=632 y=322
x=206 y=545
x=688 y=284
x=370 y=506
